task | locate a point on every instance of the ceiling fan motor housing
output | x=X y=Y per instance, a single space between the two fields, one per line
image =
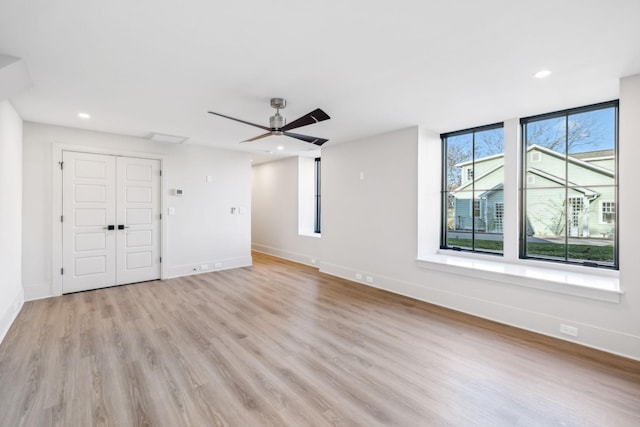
x=277 y=121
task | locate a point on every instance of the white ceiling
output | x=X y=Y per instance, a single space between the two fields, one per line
x=159 y=65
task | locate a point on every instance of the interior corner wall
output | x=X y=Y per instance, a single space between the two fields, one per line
x=11 y=293
x=274 y=221
x=203 y=231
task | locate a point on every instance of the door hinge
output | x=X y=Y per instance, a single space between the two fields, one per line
x=61 y=165
x=61 y=271
x=161 y=260
x=61 y=218
x=160 y=172
x=161 y=217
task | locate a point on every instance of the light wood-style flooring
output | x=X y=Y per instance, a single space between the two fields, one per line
x=281 y=344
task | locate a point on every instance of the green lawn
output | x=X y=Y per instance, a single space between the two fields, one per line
x=586 y=252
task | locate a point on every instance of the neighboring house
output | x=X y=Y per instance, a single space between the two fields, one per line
x=590 y=197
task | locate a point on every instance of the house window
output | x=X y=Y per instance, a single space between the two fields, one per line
x=472 y=185
x=607 y=212
x=498 y=215
x=317 y=216
x=569 y=215
x=476 y=208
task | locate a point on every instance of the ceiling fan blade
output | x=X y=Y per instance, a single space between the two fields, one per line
x=306 y=138
x=264 y=135
x=241 y=121
x=315 y=116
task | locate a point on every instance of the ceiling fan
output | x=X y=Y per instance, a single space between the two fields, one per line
x=278 y=126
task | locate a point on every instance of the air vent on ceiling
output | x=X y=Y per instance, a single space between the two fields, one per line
x=171 y=139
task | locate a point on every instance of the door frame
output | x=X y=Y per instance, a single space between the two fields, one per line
x=56 y=198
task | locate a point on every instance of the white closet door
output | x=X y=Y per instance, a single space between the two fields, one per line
x=88 y=200
x=111 y=227
x=138 y=220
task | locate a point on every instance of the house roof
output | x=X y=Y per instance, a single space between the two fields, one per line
x=561 y=181
x=490 y=171
x=573 y=158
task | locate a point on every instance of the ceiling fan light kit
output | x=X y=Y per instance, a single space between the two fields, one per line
x=278 y=126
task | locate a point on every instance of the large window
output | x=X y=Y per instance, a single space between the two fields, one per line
x=472 y=190
x=570 y=186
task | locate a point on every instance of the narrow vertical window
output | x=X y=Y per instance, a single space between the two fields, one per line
x=570 y=186
x=472 y=190
x=317 y=222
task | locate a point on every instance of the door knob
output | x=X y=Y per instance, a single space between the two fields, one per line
x=122 y=226
x=109 y=227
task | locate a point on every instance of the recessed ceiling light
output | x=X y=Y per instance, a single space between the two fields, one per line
x=280 y=147
x=85 y=116
x=542 y=74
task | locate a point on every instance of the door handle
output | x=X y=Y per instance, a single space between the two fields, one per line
x=109 y=227
x=122 y=226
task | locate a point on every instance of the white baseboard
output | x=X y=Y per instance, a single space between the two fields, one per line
x=288 y=255
x=11 y=312
x=223 y=264
x=37 y=291
x=590 y=336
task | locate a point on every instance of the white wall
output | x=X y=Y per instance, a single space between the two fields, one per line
x=203 y=230
x=274 y=219
x=370 y=227
x=11 y=295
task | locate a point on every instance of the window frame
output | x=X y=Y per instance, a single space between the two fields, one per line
x=317 y=221
x=522 y=214
x=444 y=192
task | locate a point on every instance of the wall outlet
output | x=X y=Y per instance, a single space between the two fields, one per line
x=369 y=279
x=218 y=265
x=313 y=261
x=204 y=266
x=358 y=276
x=569 y=330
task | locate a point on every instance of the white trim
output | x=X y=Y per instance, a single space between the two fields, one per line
x=597 y=285
x=225 y=264
x=9 y=316
x=607 y=340
x=288 y=255
x=317 y=235
x=56 y=225
x=37 y=291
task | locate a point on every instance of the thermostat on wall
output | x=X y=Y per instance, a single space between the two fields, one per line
x=176 y=192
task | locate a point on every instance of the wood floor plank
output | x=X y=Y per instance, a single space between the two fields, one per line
x=279 y=344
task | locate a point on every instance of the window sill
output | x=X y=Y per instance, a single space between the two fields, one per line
x=596 y=285
x=318 y=235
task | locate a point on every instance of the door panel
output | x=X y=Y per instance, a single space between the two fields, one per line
x=88 y=201
x=138 y=209
x=102 y=190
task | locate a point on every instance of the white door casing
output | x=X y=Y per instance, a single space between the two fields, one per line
x=100 y=191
